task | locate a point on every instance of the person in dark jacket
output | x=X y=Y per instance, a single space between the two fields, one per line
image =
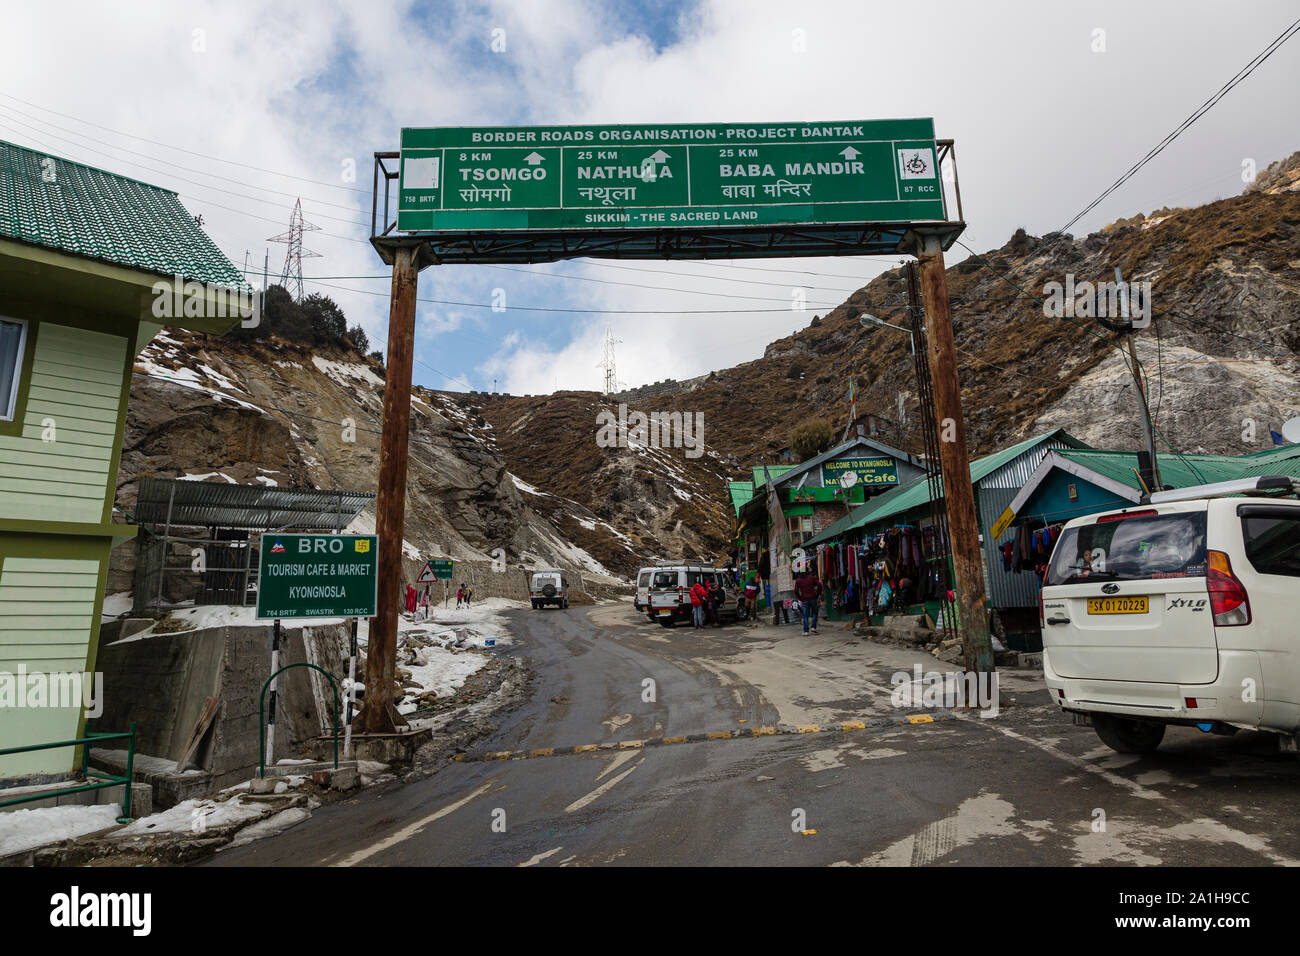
x=808 y=588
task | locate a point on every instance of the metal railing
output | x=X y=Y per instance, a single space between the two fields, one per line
x=106 y=779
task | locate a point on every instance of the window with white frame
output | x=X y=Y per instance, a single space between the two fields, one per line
x=13 y=340
x=801 y=528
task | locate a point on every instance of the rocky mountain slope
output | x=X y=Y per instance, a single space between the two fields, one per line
x=211 y=409
x=526 y=474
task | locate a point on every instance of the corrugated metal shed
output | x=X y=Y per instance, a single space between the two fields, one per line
x=164 y=503
x=996 y=489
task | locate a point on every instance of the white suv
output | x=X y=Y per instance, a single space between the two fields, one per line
x=642 y=599
x=1184 y=610
x=670 y=592
x=548 y=586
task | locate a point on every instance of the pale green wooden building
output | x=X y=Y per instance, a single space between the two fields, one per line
x=81 y=251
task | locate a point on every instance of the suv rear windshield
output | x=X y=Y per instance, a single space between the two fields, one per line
x=665 y=579
x=1131 y=549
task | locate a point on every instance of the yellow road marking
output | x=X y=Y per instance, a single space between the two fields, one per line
x=740 y=733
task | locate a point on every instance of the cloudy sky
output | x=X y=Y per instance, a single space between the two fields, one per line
x=243 y=108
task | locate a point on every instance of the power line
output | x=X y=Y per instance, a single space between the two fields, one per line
x=1196 y=114
x=179 y=149
x=158 y=159
x=535 y=308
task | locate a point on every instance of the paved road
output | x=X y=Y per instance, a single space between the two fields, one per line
x=1024 y=788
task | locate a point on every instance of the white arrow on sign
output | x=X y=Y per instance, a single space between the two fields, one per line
x=850 y=153
x=532 y=159
x=659 y=156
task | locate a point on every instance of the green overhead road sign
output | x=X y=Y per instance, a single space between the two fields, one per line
x=667 y=176
x=317 y=575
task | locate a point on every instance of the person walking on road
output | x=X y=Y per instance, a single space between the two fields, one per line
x=751 y=599
x=460 y=596
x=469 y=593
x=698 y=595
x=809 y=591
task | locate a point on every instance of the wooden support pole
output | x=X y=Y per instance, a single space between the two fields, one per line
x=378 y=714
x=954 y=460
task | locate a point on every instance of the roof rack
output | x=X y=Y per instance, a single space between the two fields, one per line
x=1238 y=486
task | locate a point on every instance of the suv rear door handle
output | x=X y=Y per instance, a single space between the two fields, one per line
x=1058 y=620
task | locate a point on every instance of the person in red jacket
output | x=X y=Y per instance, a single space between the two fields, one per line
x=698 y=595
x=808 y=588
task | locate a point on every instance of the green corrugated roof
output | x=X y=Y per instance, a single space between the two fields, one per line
x=56 y=203
x=1277 y=461
x=1174 y=470
x=917 y=492
x=1195 y=469
x=776 y=471
x=741 y=492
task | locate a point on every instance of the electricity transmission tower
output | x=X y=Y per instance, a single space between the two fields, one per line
x=607 y=363
x=291 y=275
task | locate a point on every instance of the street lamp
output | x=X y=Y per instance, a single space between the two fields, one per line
x=870 y=321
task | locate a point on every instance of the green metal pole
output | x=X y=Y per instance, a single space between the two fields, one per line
x=130 y=768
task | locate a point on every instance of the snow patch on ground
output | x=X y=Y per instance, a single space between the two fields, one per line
x=115 y=605
x=271 y=826
x=27 y=829
x=524 y=487
x=347 y=374
x=188 y=378
x=211 y=474
x=364 y=523
x=223 y=615
x=185 y=817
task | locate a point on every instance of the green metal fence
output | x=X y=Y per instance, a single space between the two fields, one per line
x=102 y=779
x=261 y=715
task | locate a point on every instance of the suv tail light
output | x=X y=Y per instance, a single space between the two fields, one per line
x=1042 y=617
x=1228 y=598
